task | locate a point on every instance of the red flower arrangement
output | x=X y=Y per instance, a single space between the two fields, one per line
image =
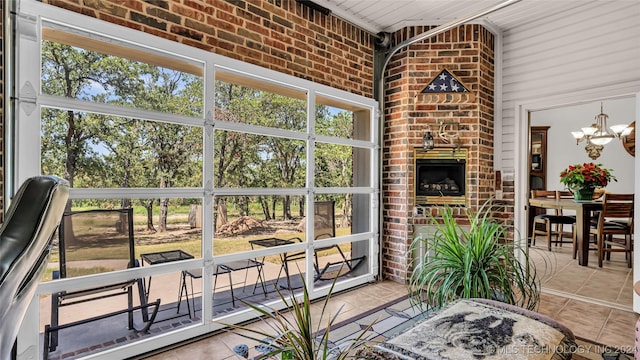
x=586 y=176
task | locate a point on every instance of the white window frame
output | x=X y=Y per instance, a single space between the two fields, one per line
x=32 y=16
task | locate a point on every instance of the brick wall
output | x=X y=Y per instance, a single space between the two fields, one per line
x=282 y=35
x=467 y=52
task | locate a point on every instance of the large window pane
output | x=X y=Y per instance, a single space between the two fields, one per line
x=347 y=214
x=241 y=219
x=82 y=74
x=99 y=151
x=246 y=160
x=158 y=225
x=91 y=335
x=266 y=106
x=94 y=239
x=252 y=223
x=341 y=119
x=334 y=165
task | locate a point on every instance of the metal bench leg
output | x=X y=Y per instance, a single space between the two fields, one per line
x=261 y=277
x=53 y=343
x=183 y=289
x=233 y=298
x=262 y=280
x=143 y=301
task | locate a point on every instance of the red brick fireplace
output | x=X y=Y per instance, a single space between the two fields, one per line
x=467 y=53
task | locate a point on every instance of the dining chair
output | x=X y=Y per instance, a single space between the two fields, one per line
x=566 y=194
x=549 y=225
x=616 y=218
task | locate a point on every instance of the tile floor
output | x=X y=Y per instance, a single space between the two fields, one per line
x=595 y=303
x=355 y=301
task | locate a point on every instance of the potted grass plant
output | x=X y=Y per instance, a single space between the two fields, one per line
x=472 y=261
x=291 y=333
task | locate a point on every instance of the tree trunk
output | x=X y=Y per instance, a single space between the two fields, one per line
x=149 y=207
x=347 y=207
x=241 y=211
x=286 y=207
x=274 y=202
x=245 y=203
x=301 y=206
x=221 y=217
x=164 y=205
x=265 y=208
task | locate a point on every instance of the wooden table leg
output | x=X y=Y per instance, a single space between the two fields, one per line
x=583 y=219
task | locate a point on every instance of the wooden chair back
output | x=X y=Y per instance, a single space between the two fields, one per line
x=618 y=207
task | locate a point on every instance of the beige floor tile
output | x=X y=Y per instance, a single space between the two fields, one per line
x=563 y=276
x=584 y=319
x=610 y=283
x=606 y=285
x=625 y=296
x=619 y=329
x=551 y=305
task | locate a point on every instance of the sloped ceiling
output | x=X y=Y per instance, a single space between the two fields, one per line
x=390 y=15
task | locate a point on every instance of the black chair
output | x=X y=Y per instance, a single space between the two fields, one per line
x=25 y=241
x=324 y=228
x=551 y=224
x=97 y=241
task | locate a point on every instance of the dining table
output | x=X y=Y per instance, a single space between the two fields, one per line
x=583 y=210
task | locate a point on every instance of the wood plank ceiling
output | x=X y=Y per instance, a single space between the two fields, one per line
x=390 y=15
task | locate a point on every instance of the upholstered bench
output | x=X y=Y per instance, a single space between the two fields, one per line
x=478 y=329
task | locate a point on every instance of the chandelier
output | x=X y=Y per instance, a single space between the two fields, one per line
x=598 y=134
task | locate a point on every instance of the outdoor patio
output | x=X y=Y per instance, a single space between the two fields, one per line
x=174 y=312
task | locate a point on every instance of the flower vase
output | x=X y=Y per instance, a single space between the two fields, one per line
x=583 y=194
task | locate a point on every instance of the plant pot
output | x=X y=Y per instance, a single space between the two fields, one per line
x=583 y=194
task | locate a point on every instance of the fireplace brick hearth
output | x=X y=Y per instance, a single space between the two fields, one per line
x=467 y=53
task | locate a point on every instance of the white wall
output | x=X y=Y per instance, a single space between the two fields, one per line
x=562 y=150
x=593 y=50
x=588 y=53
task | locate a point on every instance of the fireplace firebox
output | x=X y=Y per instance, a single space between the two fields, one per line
x=440 y=177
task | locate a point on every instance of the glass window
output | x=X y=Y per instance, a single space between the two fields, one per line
x=121 y=114
x=268 y=105
x=244 y=160
x=334 y=165
x=341 y=119
x=101 y=151
x=240 y=219
x=94 y=236
x=77 y=73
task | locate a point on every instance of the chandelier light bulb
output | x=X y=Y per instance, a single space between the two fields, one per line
x=618 y=129
x=601 y=139
x=578 y=135
x=598 y=134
